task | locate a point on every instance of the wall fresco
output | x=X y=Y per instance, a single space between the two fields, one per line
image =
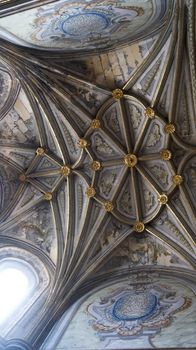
x=85 y=24
x=8 y=184
x=142 y=251
x=18 y=125
x=145 y=312
x=36 y=227
x=5 y=86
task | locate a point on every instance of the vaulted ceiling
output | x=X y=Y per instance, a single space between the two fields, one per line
x=97 y=139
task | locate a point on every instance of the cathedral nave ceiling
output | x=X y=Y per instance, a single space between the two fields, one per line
x=97 y=153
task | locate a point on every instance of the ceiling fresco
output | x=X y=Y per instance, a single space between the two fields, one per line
x=98 y=168
x=85 y=25
x=127 y=315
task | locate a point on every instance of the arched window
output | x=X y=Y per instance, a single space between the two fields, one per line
x=24 y=281
x=17 y=281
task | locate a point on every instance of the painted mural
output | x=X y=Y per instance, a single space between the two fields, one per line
x=139 y=311
x=36 y=227
x=5 y=86
x=142 y=251
x=9 y=89
x=8 y=184
x=76 y=25
x=147 y=311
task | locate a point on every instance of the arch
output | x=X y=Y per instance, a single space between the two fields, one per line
x=38 y=282
x=143 y=278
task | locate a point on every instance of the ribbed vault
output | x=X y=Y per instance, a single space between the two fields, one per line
x=91 y=170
